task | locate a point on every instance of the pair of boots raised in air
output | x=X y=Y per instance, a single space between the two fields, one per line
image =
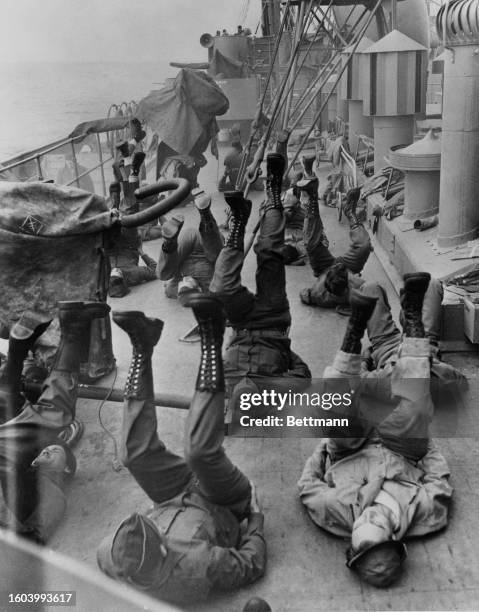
x=190 y=542
x=382 y=479
x=335 y=276
x=260 y=346
x=187 y=256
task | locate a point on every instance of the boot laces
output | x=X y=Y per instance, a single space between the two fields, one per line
x=210 y=353
x=273 y=189
x=236 y=231
x=137 y=362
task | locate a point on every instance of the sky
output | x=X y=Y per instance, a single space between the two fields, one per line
x=115 y=30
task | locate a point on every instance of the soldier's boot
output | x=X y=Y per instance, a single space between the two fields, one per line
x=75 y=325
x=275 y=167
x=144 y=333
x=208 y=312
x=240 y=212
x=310 y=186
x=136 y=162
x=362 y=307
x=115 y=194
x=412 y=298
x=307 y=161
x=171 y=230
x=349 y=209
x=23 y=335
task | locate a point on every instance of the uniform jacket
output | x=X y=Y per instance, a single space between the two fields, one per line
x=334 y=501
x=206 y=549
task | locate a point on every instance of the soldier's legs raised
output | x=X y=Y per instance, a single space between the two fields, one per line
x=22 y=338
x=220 y=480
x=159 y=472
x=406 y=429
x=226 y=282
x=315 y=240
x=346 y=369
x=383 y=333
x=270 y=271
x=210 y=235
x=359 y=243
x=431 y=311
x=168 y=260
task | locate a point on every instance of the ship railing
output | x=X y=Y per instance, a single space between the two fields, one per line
x=340 y=126
x=364 y=155
x=78 y=161
x=349 y=168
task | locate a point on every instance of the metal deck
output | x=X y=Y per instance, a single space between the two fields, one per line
x=306 y=567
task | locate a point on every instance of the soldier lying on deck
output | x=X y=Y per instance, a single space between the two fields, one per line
x=187 y=258
x=35 y=465
x=260 y=345
x=388 y=481
x=190 y=541
x=335 y=275
x=125 y=246
x=385 y=338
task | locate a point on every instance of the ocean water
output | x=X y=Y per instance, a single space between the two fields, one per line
x=42 y=102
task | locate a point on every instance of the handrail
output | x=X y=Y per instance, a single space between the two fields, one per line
x=348 y=160
x=37 y=155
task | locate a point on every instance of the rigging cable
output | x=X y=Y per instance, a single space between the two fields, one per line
x=259 y=112
x=346 y=64
x=116 y=460
x=336 y=60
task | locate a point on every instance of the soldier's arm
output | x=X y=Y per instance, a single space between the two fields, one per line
x=230 y=568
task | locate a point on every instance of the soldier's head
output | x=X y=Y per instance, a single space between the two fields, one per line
x=374 y=554
x=56 y=458
x=135 y=553
x=336 y=281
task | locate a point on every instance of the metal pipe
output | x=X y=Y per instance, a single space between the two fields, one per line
x=39 y=168
x=316 y=80
x=300 y=26
x=332 y=25
x=89 y=171
x=34 y=156
x=166 y=400
x=337 y=59
x=102 y=170
x=423 y=224
x=298 y=70
x=394 y=15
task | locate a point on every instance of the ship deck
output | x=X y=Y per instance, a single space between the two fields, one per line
x=306 y=566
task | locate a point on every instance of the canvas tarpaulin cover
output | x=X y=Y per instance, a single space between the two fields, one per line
x=51 y=241
x=227 y=66
x=183 y=113
x=98 y=126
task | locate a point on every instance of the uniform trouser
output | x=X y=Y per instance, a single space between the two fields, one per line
x=163 y=474
x=136 y=275
x=383 y=333
x=23 y=438
x=269 y=307
x=405 y=430
x=133 y=274
x=320 y=257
